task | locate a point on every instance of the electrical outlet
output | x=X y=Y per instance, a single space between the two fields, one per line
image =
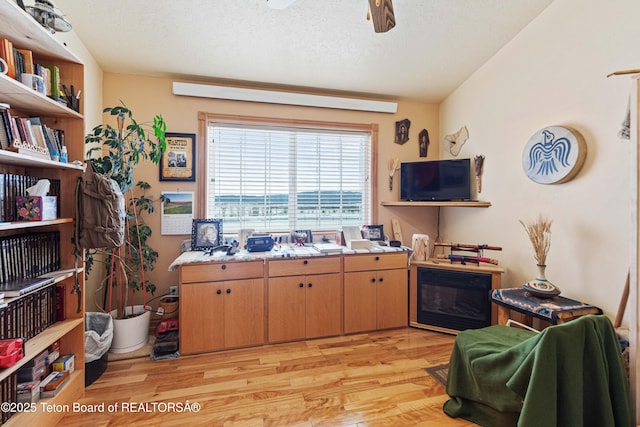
x=173 y=290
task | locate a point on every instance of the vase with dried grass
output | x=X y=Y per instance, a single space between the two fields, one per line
x=539 y=232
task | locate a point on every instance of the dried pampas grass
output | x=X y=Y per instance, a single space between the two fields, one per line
x=539 y=232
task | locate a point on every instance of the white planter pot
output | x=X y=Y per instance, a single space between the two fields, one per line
x=131 y=333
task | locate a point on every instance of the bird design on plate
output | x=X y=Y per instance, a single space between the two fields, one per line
x=547 y=154
x=553 y=155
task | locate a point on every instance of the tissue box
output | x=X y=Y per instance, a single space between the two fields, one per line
x=36 y=208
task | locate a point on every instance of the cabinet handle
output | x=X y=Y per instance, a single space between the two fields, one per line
x=381 y=279
x=377 y=258
x=228 y=291
x=373 y=280
x=305 y=262
x=301 y=285
x=223 y=266
x=310 y=285
x=218 y=292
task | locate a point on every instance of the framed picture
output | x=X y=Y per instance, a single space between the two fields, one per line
x=178 y=162
x=373 y=232
x=206 y=233
x=302 y=237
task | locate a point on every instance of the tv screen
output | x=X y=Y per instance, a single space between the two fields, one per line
x=435 y=180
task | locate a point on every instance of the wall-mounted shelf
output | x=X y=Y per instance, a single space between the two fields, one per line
x=465 y=204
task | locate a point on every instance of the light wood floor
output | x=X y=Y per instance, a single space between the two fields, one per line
x=374 y=379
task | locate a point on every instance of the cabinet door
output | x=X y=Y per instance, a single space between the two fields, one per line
x=286 y=308
x=243 y=312
x=360 y=301
x=323 y=305
x=201 y=317
x=393 y=296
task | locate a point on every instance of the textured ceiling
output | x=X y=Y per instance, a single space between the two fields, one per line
x=313 y=45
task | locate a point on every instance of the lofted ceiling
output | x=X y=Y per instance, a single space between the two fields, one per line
x=323 y=46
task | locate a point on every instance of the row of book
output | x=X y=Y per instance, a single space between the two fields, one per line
x=28 y=255
x=24 y=132
x=32 y=313
x=20 y=61
x=9 y=392
x=12 y=186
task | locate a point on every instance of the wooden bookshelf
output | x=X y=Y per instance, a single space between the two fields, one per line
x=26 y=33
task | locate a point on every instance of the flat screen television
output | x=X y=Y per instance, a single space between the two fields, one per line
x=435 y=180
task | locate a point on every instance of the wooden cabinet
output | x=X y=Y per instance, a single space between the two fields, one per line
x=304 y=298
x=222 y=306
x=375 y=292
x=25 y=33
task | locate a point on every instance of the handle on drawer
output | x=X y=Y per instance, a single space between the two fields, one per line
x=305 y=262
x=310 y=285
x=301 y=285
x=377 y=258
x=223 y=266
x=228 y=291
x=218 y=292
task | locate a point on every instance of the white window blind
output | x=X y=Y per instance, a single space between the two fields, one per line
x=285 y=178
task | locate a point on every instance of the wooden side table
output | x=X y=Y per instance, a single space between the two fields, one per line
x=554 y=310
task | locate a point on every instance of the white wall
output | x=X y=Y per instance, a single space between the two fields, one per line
x=91 y=99
x=554 y=73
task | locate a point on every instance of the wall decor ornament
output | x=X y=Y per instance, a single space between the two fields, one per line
x=423 y=142
x=479 y=166
x=402 y=131
x=554 y=154
x=455 y=141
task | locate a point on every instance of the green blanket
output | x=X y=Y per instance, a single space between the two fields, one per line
x=567 y=375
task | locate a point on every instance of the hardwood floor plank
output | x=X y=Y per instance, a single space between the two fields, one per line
x=361 y=380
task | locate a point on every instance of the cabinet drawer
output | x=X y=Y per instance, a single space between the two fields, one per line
x=295 y=266
x=370 y=262
x=218 y=271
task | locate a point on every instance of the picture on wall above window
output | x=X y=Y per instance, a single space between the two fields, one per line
x=206 y=233
x=178 y=161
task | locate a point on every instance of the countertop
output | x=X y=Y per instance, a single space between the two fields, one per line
x=278 y=252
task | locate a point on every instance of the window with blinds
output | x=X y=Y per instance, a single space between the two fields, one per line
x=272 y=178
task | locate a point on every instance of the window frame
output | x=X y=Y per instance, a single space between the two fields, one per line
x=204 y=118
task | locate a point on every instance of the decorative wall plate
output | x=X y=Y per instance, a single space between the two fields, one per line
x=554 y=155
x=541 y=288
x=455 y=141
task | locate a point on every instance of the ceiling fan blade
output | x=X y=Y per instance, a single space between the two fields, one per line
x=382 y=15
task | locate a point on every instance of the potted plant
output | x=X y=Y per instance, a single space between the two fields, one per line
x=120 y=150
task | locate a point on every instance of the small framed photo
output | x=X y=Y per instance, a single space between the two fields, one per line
x=206 y=233
x=178 y=162
x=302 y=237
x=373 y=232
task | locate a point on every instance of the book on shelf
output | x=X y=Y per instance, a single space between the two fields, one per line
x=54 y=76
x=18 y=59
x=6 y=52
x=18 y=287
x=4 y=132
x=27 y=56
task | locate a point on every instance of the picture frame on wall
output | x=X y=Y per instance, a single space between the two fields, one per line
x=178 y=162
x=206 y=233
